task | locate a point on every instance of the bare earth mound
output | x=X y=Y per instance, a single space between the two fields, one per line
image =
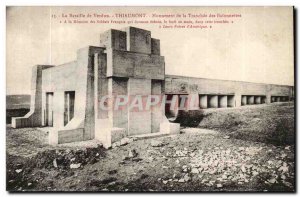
x=261 y=123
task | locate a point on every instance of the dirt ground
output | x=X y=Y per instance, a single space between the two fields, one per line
x=195 y=160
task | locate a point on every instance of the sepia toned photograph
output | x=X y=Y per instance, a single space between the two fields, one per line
x=150 y=99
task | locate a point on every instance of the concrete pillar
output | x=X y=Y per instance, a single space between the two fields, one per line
x=257 y=99
x=203 y=101
x=171 y=106
x=244 y=100
x=183 y=102
x=222 y=101
x=284 y=99
x=156 y=112
x=237 y=97
x=230 y=101
x=268 y=98
x=139 y=120
x=278 y=99
x=273 y=99
x=263 y=99
x=49 y=109
x=250 y=100
x=193 y=101
x=212 y=101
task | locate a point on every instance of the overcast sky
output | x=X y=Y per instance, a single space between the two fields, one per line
x=258 y=47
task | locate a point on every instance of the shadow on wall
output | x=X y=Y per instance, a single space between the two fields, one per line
x=15 y=113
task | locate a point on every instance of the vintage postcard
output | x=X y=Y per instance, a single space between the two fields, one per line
x=150 y=99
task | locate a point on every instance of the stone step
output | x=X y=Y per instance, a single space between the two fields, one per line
x=149 y=135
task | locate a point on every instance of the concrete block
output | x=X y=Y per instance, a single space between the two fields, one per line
x=114 y=39
x=120 y=114
x=129 y=64
x=117 y=134
x=170 y=128
x=139 y=121
x=66 y=136
x=53 y=137
x=103 y=129
x=138 y=40
x=212 y=101
x=155 y=46
x=203 y=101
x=222 y=101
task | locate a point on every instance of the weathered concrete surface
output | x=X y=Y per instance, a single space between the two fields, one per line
x=230 y=101
x=222 y=101
x=155 y=46
x=190 y=85
x=213 y=101
x=139 y=121
x=157 y=113
x=250 y=100
x=244 y=100
x=113 y=39
x=35 y=116
x=138 y=40
x=129 y=64
x=257 y=99
x=170 y=128
x=203 y=101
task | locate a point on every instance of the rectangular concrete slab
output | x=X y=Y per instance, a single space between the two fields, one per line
x=139 y=121
x=138 y=40
x=170 y=128
x=130 y=64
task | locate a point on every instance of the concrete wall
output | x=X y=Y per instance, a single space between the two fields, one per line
x=34 y=117
x=77 y=76
x=238 y=93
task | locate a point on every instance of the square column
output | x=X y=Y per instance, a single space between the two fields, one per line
x=203 y=101
x=250 y=100
x=244 y=100
x=212 y=101
x=230 y=101
x=273 y=99
x=263 y=99
x=257 y=100
x=139 y=121
x=278 y=99
x=222 y=101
